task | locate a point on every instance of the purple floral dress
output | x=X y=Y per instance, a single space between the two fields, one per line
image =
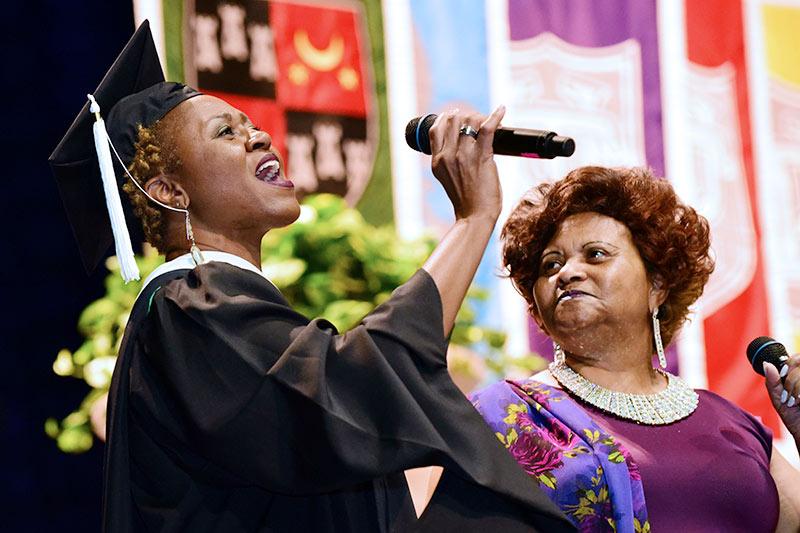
x=585 y=470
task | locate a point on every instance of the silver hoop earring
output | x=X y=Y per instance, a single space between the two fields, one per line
x=197 y=256
x=558 y=354
x=662 y=359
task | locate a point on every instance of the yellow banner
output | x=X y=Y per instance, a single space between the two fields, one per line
x=782 y=35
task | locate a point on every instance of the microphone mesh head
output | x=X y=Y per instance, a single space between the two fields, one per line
x=766 y=349
x=417 y=133
x=411 y=132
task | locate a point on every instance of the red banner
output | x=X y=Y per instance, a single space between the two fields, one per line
x=319 y=56
x=299 y=72
x=715 y=37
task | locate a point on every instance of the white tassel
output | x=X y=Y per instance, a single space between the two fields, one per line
x=122 y=239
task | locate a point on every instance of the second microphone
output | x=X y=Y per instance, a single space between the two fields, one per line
x=520 y=142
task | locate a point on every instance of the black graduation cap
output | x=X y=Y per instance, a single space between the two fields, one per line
x=132 y=93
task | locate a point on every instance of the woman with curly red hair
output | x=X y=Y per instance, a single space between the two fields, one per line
x=609 y=261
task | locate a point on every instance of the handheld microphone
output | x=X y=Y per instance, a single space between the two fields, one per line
x=507 y=141
x=767 y=349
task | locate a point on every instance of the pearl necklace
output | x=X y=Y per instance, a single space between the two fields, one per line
x=674 y=403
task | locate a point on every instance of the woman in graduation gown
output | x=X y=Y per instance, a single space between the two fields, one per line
x=229 y=411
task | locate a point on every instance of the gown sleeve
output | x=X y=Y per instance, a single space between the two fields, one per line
x=285 y=403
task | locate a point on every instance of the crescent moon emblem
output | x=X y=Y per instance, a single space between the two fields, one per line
x=323 y=60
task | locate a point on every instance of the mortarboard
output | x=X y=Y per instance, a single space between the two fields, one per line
x=132 y=93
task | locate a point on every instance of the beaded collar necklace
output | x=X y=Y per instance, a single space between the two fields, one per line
x=674 y=403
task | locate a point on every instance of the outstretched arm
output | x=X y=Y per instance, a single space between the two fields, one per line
x=465 y=166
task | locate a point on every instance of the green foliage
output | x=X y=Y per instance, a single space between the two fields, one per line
x=102 y=324
x=330 y=263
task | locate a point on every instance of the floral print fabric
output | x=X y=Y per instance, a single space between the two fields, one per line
x=584 y=469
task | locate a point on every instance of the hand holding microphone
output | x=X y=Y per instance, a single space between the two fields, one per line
x=769 y=358
x=460 y=142
x=520 y=142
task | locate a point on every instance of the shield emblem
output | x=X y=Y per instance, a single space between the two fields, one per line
x=301 y=72
x=720 y=190
x=590 y=93
x=784 y=100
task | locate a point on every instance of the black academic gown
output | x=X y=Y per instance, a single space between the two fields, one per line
x=229 y=411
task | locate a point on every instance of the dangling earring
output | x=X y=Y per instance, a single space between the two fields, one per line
x=662 y=359
x=558 y=354
x=197 y=256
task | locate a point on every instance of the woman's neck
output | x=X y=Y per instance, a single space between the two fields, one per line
x=251 y=252
x=619 y=366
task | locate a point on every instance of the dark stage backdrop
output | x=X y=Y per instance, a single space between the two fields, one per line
x=53 y=53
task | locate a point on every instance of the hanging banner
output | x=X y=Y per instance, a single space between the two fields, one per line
x=734 y=308
x=437 y=60
x=450 y=73
x=301 y=72
x=577 y=68
x=598 y=74
x=774 y=73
